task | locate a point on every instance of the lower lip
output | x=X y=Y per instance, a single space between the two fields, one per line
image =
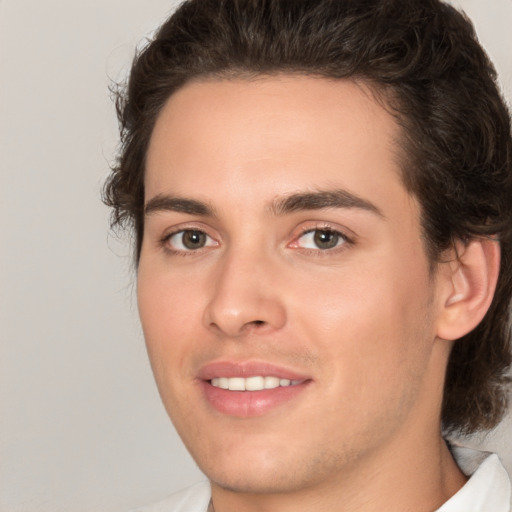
x=245 y=404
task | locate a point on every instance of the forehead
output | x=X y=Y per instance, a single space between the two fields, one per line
x=272 y=136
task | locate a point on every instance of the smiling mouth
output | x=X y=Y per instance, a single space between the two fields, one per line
x=256 y=383
x=250 y=389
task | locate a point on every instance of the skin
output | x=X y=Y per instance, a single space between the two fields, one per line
x=361 y=320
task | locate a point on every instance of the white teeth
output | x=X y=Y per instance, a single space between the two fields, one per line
x=223 y=383
x=271 y=382
x=256 y=383
x=236 y=384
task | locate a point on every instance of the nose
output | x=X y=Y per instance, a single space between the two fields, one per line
x=244 y=297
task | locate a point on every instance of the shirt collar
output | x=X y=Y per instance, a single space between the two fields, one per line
x=488 y=487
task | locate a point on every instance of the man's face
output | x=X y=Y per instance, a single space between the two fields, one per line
x=281 y=248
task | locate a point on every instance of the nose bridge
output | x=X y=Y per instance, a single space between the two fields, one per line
x=242 y=296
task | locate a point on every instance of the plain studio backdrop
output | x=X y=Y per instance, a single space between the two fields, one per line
x=81 y=424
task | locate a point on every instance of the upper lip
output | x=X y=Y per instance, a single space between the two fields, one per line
x=247 y=369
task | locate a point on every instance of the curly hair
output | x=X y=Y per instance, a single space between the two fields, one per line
x=423 y=59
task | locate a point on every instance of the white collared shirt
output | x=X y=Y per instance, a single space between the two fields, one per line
x=487 y=490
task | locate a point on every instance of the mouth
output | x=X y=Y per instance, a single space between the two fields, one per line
x=249 y=389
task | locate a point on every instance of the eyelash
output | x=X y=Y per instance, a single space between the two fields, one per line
x=344 y=239
x=165 y=241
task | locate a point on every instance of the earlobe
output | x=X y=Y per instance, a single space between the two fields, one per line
x=469 y=284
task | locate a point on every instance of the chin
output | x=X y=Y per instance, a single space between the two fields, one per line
x=268 y=471
x=255 y=482
x=242 y=468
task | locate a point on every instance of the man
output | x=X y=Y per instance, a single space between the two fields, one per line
x=321 y=196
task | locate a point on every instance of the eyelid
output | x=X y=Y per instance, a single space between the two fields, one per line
x=181 y=228
x=183 y=231
x=347 y=239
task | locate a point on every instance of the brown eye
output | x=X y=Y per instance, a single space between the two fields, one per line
x=193 y=239
x=189 y=240
x=321 y=239
x=326 y=239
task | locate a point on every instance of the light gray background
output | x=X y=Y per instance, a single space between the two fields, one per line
x=81 y=425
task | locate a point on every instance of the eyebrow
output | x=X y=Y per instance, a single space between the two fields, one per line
x=322 y=199
x=315 y=200
x=162 y=202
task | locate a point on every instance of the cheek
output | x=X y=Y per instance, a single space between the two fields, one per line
x=168 y=308
x=167 y=299
x=373 y=348
x=370 y=323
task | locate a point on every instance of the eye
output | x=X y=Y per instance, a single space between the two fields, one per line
x=322 y=239
x=189 y=240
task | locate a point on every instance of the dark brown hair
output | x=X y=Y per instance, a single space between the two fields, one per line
x=423 y=57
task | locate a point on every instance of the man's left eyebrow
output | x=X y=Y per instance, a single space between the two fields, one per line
x=322 y=199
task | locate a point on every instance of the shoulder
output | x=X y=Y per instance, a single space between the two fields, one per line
x=191 y=499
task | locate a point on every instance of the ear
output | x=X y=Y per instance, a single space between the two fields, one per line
x=467 y=286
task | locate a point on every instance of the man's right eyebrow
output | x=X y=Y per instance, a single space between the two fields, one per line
x=162 y=203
